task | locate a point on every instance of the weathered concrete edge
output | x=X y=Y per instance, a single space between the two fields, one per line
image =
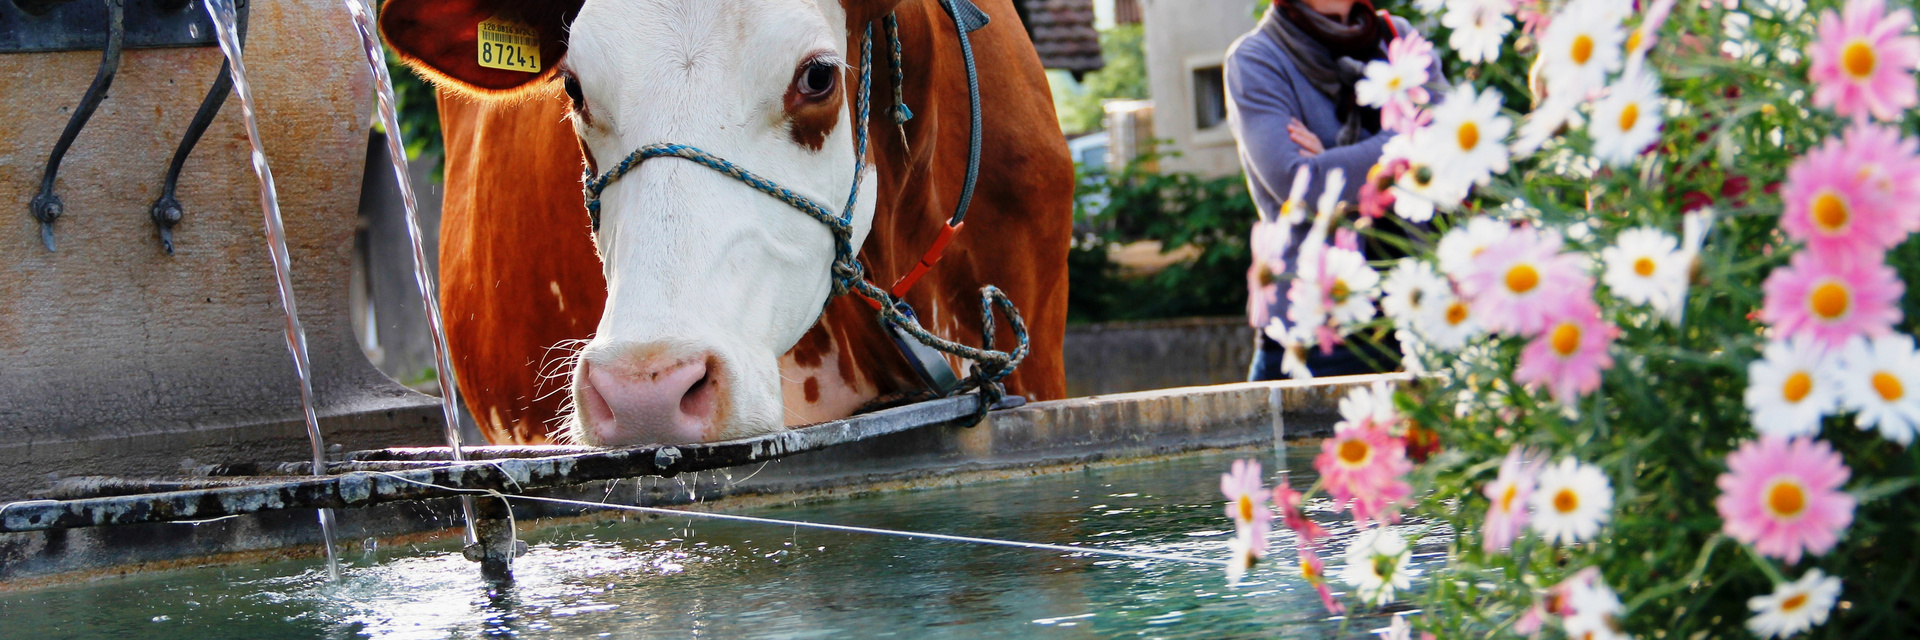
x=1035 y=437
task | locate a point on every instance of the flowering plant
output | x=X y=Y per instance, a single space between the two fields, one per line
x=1662 y=318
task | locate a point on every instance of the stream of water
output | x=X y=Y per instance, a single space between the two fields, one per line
x=227 y=32
x=677 y=577
x=364 y=23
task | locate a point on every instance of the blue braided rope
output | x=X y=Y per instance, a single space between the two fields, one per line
x=848 y=274
x=901 y=114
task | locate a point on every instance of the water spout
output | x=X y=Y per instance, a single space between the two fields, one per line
x=226 y=30
x=363 y=23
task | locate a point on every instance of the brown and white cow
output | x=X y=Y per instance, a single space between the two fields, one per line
x=713 y=326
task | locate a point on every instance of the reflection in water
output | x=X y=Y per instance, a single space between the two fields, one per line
x=678 y=577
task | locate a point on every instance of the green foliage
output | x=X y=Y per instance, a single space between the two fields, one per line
x=1124 y=78
x=1214 y=214
x=1670 y=410
x=419 y=114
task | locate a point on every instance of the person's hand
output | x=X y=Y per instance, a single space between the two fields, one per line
x=1310 y=145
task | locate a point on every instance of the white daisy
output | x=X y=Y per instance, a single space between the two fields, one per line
x=1449 y=324
x=1396 y=630
x=1429 y=7
x=1571 y=501
x=1372 y=403
x=1351 y=286
x=1294 y=210
x=1693 y=236
x=1409 y=287
x=1644 y=267
x=1293 y=361
x=1581 y=46
x=1791 y=386
x=1544 y=122
x=1626 y=121
x=1241 y=556
x=1463 y=243
x=1881 y=380
x=1479 y=28
x=1386 y=81
x=1596 y=612
x=1419 y=190
x=1467 y=137
x=1377 y=565
x=1795 y=606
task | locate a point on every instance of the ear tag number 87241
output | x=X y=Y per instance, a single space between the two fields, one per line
x=509 y=45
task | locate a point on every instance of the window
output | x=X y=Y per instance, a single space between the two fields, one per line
x=1209 y=97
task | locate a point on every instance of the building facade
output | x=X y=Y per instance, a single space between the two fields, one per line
x=1186 y=46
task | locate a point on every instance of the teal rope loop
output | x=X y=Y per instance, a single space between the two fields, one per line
x=991 y=366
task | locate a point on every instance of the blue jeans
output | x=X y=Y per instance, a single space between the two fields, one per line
x=1343 y=361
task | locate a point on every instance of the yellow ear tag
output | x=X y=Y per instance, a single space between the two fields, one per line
x=505 y=44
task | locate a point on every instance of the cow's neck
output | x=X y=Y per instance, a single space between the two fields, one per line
x=847 y=361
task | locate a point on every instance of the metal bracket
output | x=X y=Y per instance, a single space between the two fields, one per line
x=46 y=206
x=166 y=210
x=928 y=363
x=28 y=26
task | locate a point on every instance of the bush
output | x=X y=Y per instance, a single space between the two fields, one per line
x=1213 y=214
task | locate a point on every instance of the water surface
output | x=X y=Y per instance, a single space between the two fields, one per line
x=679 y=577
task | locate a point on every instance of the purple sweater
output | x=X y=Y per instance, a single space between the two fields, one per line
x=1265 y=92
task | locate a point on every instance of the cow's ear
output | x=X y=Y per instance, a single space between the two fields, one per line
x=486 y=47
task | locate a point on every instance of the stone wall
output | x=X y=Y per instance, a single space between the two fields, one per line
x=1120 y=357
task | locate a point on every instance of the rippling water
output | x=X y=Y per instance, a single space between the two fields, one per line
x=678 y=577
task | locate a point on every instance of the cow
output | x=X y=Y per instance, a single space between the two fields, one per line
x=713 y=325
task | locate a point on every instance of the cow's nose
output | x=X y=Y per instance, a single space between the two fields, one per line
x=658 y=401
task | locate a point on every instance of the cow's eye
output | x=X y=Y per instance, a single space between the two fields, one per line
x=574 y=93
x=816 y=78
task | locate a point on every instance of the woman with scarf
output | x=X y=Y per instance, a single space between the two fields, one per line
x=1290 y=98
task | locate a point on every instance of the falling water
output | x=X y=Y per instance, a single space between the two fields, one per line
x=363 y=22
x=223 y=24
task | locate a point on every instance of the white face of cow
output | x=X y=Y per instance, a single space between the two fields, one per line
x=709 y=281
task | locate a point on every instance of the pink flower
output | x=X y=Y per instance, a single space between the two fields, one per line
x=1287 y=501
x=1864 y=61
x=1557 y=601
x=1832 y=202
x=1832 y=300
x=1507 y=513
x=1364 y=469
x=1889 y=165
x=1570 y=353
x=1521 y=283
x=1247 y=503
x=1315 y=571
x=1783 y=497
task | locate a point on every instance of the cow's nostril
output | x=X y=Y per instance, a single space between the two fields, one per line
x=654 y=401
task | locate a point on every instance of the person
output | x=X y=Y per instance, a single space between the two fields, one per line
x=1290 y=103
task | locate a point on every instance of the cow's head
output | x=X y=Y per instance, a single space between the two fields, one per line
x=709 y=280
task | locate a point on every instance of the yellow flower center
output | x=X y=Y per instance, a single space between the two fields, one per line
x=1830 y=300
x=1633 y=40
x=1246 y=508
x=1888 y=386
x=1456 y=313
x=1306 y=571
x=1566 y=501
x=1858 y=59
x=1797 y=386
x=1522 y=278
x=1582 y=49
x=1469 y=135
x=1786 y=498
x=1393 y=84
x=1793 y=603
x=1565 y=339
x=1340 y=291
x=1506 y=497
x=1355 y=452
x=1644 y=266
x=1830 y=212
x=1629 y=115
